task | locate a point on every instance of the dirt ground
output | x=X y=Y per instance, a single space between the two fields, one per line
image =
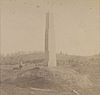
x=45 y=81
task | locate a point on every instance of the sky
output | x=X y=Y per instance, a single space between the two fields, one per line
x=76 y=25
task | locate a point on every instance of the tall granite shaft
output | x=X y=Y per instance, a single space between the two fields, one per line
x=50 y=51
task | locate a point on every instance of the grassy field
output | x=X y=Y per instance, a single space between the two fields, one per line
x=74 y=78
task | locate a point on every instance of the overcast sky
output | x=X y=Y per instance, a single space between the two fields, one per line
x=76 y=25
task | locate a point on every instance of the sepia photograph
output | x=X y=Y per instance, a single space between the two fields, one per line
x=49 y=47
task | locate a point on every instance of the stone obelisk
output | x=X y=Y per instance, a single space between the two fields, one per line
x=50 y=51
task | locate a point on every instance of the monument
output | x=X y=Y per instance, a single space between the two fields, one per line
x=50 y=51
